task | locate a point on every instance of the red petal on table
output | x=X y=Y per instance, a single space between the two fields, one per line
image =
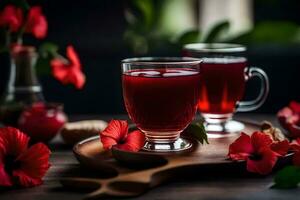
x=260 y=140
x=34 y=164
x=295 y=145
x=12 y=141
x=5 y=179
x=114 y=133
x=285 y=112
x=293 y=119
x=283 y=115
x=116 y=129
x=11 y=17
x=296 y=158
x=295 y=106
x=265 y=164
x=281 y=147
x=294 y=130
x=241 y=148
x=36 y=23
x=133 y=142
x=24 y=180
x=297 y=141
x=107 y=142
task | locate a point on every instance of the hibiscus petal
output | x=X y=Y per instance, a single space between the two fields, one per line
x=294 y=130
x=11 y=17
x=116 y=129
x=265 y=164
x=34 y=164
x=115 y=132
x=68 y=72
x=72 y=55
x=241 y=148
x=77 y=78
x=36 y=23
x=134 y=142
x=12 y=141
x=283 y=115
x=59 y=69
x=295 y=145
x=107 y=142
x=26 y=181
x=296 y=159
x=281 y=147
x=5 y=179
x=295 y=106
x=41 y=28
x=260 y=140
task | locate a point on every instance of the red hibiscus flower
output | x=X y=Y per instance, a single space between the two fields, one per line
x=116 y=134
x=295 y=146
x=289 y=118
x=11 y=17
x=36 y=23
x=20 y=165
x=68 y=71
x=258 y=151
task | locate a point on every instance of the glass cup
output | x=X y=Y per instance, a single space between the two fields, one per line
x=161 y=97
x=224 y=74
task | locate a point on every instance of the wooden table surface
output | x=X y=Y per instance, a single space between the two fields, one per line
x=208 y=184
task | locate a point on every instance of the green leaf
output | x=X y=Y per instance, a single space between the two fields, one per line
x=216 y=32
x=43 y=66
x=288 y=177
x=280 y=32
x=191 y=36
x=48 y=49
x=141 y=15
x=198 y=131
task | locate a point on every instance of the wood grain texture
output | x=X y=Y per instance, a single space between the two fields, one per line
x=208 y=183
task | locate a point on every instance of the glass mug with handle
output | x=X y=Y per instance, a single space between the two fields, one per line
x=224 y=75
x=161 y=97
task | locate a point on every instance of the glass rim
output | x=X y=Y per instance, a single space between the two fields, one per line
x=162 y=61
x=215 y=47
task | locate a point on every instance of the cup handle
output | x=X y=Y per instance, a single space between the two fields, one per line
x=245 y=106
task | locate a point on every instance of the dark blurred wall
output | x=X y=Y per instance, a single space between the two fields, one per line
x=95 y=28
x=277 y=10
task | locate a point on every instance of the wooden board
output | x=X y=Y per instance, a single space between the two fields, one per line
x=131 y=174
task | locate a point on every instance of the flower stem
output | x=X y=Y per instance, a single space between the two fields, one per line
x=20 y=35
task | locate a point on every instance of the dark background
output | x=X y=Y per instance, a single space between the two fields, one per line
x=95 y=28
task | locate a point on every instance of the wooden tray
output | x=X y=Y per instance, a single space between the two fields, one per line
x=131 y=174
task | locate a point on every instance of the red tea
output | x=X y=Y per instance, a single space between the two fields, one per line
x=222 y=85
x=161 y=100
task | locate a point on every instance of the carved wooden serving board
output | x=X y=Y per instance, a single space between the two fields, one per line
x=127 y=174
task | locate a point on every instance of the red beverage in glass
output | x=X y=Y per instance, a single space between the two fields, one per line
x=222 y=85
x=161 y=100
x=224 y=74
